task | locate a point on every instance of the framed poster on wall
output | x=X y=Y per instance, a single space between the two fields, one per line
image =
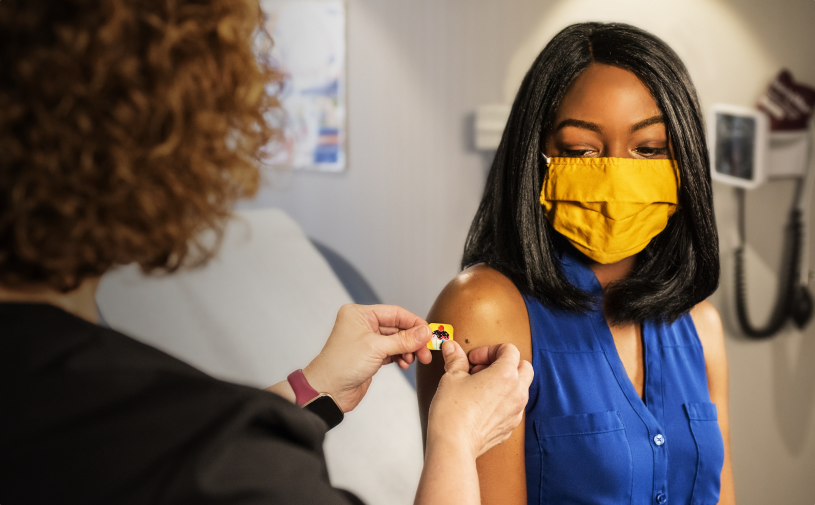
x=309 y=50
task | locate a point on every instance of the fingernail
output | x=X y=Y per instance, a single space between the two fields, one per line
x=422 y=333
x=447 y=348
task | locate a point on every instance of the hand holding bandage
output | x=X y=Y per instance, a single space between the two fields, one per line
x=364 y=338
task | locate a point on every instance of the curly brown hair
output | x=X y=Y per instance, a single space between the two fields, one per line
x=127 y=128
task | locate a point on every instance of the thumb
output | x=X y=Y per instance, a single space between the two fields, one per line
x=405 y=341
x=454 y=358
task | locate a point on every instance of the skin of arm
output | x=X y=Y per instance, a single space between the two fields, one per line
x=449 y=470
x=283 y=389
x=484 y=308
x=709 y=328
x=459 y=430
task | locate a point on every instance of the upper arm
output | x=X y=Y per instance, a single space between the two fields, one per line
x=484 y=308
x=709 y=328
x=711 y=334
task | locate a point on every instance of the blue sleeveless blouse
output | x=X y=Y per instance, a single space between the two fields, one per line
x=590 y=438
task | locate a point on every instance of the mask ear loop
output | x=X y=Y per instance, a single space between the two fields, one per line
x=543 y=171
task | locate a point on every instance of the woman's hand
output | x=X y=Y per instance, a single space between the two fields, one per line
x=364 y=338
x=483 y=408
x=468 y=415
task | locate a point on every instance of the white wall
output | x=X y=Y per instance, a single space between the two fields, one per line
x=417 y=70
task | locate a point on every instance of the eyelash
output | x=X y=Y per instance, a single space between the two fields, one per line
x=654 y=151
x=575 y=153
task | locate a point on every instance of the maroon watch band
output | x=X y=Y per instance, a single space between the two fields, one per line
x=303 y=392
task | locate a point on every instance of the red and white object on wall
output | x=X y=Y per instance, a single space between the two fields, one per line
x=789 y=106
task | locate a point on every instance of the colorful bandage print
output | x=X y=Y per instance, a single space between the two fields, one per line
x=441 y=333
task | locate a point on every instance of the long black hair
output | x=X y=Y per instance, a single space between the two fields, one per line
x=680 y=266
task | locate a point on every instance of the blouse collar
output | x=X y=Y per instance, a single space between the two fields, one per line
x=577 y=270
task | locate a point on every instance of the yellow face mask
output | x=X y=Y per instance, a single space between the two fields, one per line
x=610 y=208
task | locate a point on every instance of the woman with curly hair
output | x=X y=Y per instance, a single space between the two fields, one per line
x=128 y=128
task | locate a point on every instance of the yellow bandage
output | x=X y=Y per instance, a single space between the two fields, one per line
x=440 y=333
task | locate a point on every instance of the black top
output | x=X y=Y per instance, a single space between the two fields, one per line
x=88 y=415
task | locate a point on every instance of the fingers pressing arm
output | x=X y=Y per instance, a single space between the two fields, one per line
x=486 y=309
x=469 y=415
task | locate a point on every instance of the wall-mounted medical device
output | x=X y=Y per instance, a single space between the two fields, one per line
x=749 y=147
x=738 y=146
x=490 y=121
x=746 y=153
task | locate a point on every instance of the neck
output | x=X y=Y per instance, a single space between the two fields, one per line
x=613 y=272
x=80 y=302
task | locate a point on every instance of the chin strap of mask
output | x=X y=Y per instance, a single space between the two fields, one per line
x=794 y=300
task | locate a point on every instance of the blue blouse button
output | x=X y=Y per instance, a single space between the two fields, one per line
x=659 y=440
x=661 y=499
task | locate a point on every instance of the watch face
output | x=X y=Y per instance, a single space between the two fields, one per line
x=325 y=407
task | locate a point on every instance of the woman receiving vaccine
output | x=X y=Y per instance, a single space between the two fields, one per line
x=593 y=251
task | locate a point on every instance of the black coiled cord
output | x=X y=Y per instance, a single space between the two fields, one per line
x=794 y=300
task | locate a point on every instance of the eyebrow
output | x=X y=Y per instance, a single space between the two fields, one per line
x=579 y=124
x=586 y=125
x=647 y=122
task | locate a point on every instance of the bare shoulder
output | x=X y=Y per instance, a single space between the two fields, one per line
x=705 y=315
x=708 y=324
x=709 y=328
x=485 y=308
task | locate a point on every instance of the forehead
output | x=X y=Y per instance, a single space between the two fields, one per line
x=606 y=94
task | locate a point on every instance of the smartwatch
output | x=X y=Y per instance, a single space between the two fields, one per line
x=322 y=404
